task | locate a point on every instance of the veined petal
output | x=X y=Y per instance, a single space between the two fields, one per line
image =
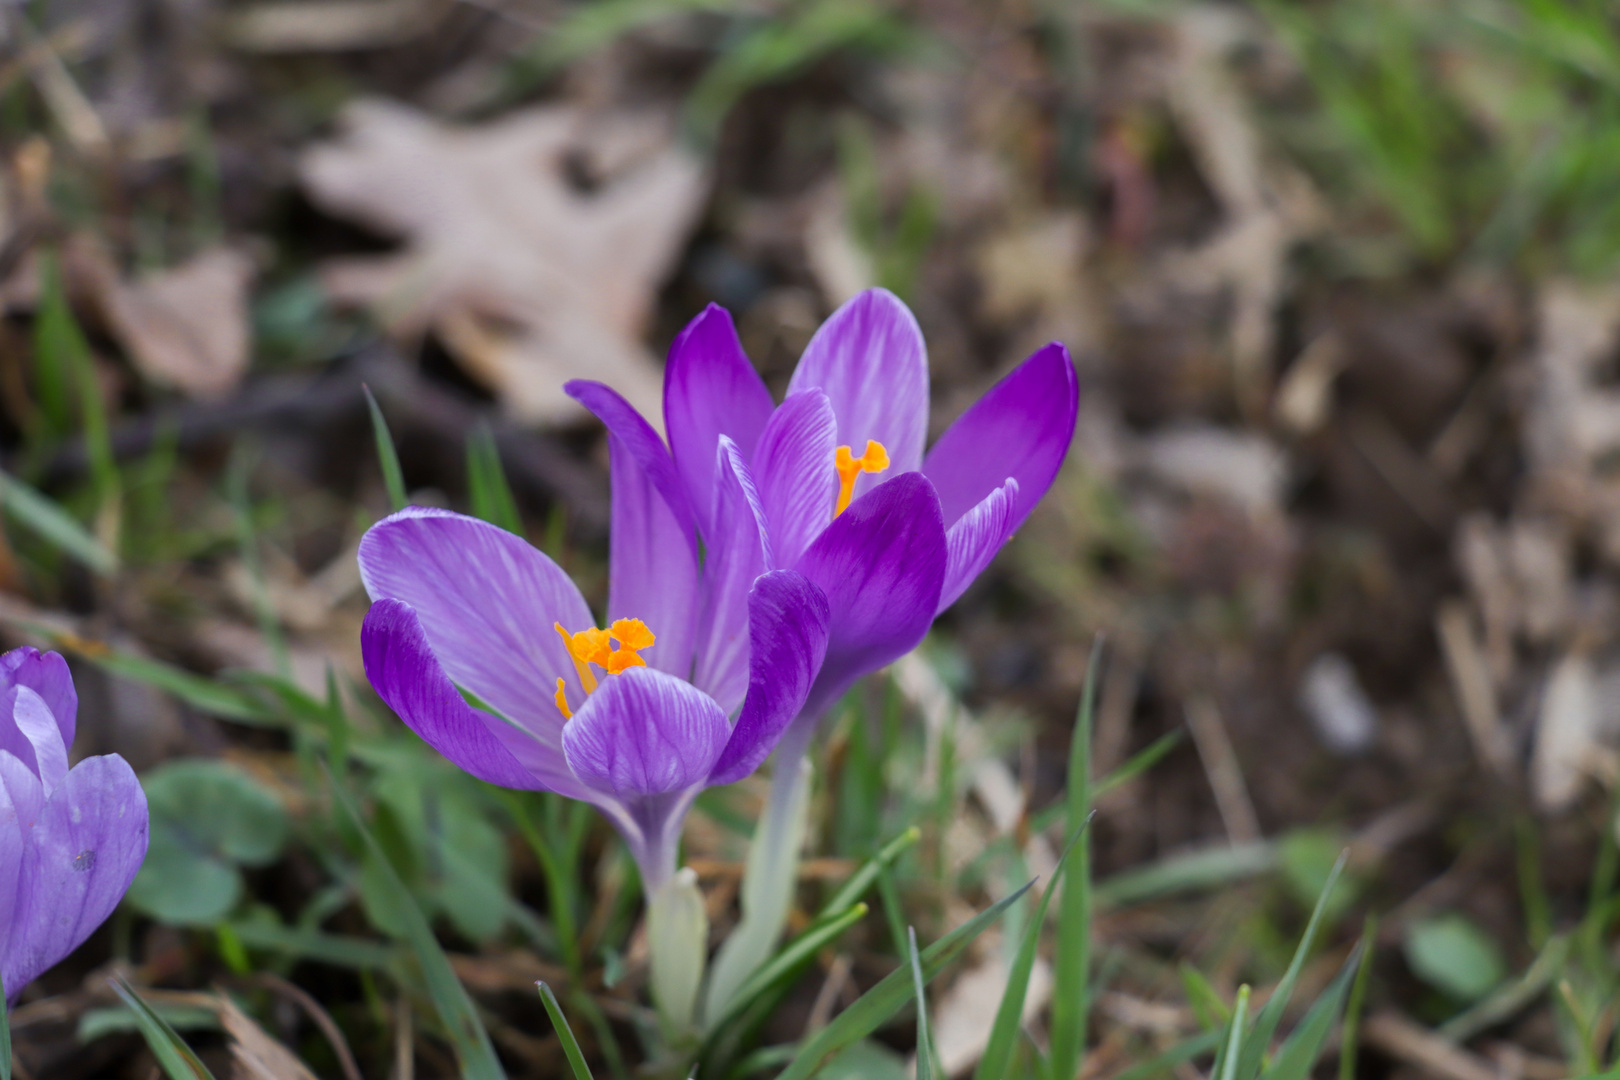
x=710 y=389
x=738 y=552
x=870 y=359
x=973 y=541
x=21 y=794
x=788 y=623
x=643 y=444
x=48 y=676
x=1021 y=428
x=652 y=567
x=31 y=719
x=644 y=734
x=487 y=601
x=881 y=565
x=407 y=675
x=21 y=799
x=794 y=463
x=78 y=860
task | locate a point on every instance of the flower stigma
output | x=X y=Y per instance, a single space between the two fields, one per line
x=592 y=646
x=874 y=460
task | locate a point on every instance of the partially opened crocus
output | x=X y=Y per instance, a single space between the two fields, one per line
x=487 y=650
x=71 y=840
x=846 y=493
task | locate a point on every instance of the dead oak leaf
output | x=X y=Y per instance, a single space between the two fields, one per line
x=535 y=244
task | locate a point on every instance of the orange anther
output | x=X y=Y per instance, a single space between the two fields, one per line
x=874 y=460
x=631 y=634
x=562 y=699
x=619 y=659
x=585 y=648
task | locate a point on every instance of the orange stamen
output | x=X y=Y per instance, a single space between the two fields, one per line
x=874 y=460
x=593 y=646
x=585 y=648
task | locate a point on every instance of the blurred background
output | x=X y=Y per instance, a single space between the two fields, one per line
x=1342 y=282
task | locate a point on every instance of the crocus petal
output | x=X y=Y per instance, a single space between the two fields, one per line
x=973 y=541
x=48 y=676
x=788 y=623
x=405 y=671
x=738 y=552
x=710 y=390
x=652 y=563
x=11 y=852
x=1021 y=428
x=21 y=799
x=78 y=860
x=31 y=719
x=797 y=482
x=643 y=444
x=881 y=564
x=487 y=601
x=870 y=359
x=644 y=734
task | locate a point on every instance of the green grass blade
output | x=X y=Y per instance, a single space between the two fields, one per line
x=1266 y=1021
x=1298 y=1055
x=487 y=490
x=785 y=963
x=178 y=1060
x=42 y=516
x=450 y=1000
x=1231 y=1052
x=996 y=1062
x=1358 y=997
x=387 y=456
x=1185 y=1050
x=864 y=878
x=1206 y=1004
x=1072 y=968
x=1138 y=763
x=565 y=1034
x=886 y=998
x=925 y=1042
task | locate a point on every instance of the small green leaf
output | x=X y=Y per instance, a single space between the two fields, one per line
x=1452 y=954
x=208 y=819
x=487 y=489
x=925 y=1043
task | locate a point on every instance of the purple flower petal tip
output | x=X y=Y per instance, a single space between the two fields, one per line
x=1021 y=428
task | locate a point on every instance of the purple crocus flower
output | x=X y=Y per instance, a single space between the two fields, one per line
x=845 y=493
x=71 y=840
x=486 y=649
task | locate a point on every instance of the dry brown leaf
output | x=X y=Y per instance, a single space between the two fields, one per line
x=254 y=1054
x=187 y=327
x=1566 y=735
x=529 y=274
x=331 y=25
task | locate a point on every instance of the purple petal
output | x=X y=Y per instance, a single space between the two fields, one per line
x=1021 y=428
x=32 y=724
x=710 y=390
x=652 y=563
x=11 y=852
x=48 y=676
x=738 y=552
x=487 y=601
x=406 y=673
x=973 y=541
x=881 y=564
x=644 y=734
x=643 y=444
x=21 y=794
x=788 y=622
x=870 y=359
x=77 y=863
x=797 y=481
